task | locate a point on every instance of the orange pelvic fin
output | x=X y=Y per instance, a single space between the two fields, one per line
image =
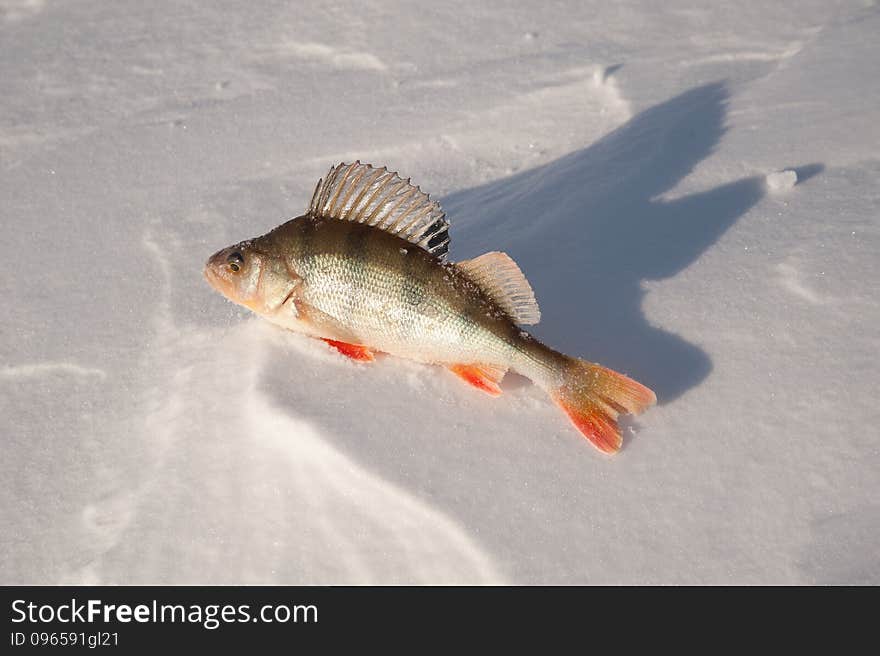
x=482 y=376
x=353 y=351
x=593 y=397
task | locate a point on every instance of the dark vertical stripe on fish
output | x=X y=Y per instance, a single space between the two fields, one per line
x=412 y=291
x=471 y=309
x=306 y=245
x=356 y=243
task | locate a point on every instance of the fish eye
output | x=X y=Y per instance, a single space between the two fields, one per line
x=234 y=261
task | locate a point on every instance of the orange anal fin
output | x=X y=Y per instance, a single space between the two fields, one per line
x=483 y=377
x=353 y=351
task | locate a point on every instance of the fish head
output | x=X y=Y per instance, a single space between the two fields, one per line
x=236 y=272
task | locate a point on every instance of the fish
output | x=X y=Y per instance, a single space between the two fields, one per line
x=366 y=270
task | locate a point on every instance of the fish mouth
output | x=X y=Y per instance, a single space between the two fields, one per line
x=210 y=275
x=213 y=277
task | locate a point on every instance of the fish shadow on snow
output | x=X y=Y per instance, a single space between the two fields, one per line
x=589 y=228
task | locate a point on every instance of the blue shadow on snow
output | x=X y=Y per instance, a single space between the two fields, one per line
x=588 y=228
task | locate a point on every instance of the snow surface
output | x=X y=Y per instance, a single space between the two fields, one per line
x=619 y=151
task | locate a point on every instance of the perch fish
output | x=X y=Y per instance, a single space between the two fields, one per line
x=365 y=270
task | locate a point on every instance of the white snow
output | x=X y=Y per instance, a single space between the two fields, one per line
x=619 y=151
x=782 y=180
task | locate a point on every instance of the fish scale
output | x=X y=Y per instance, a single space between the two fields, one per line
x=433 y=325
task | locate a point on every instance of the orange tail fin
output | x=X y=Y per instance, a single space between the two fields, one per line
x=593 y=397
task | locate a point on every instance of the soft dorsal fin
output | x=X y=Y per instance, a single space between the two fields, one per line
x=499 y=276
x=364 y=194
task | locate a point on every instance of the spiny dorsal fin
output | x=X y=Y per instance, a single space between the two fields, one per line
x=364 y=194
x=500 y=277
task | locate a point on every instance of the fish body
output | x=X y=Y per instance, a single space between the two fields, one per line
x=366 y=286
x=365 y=270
